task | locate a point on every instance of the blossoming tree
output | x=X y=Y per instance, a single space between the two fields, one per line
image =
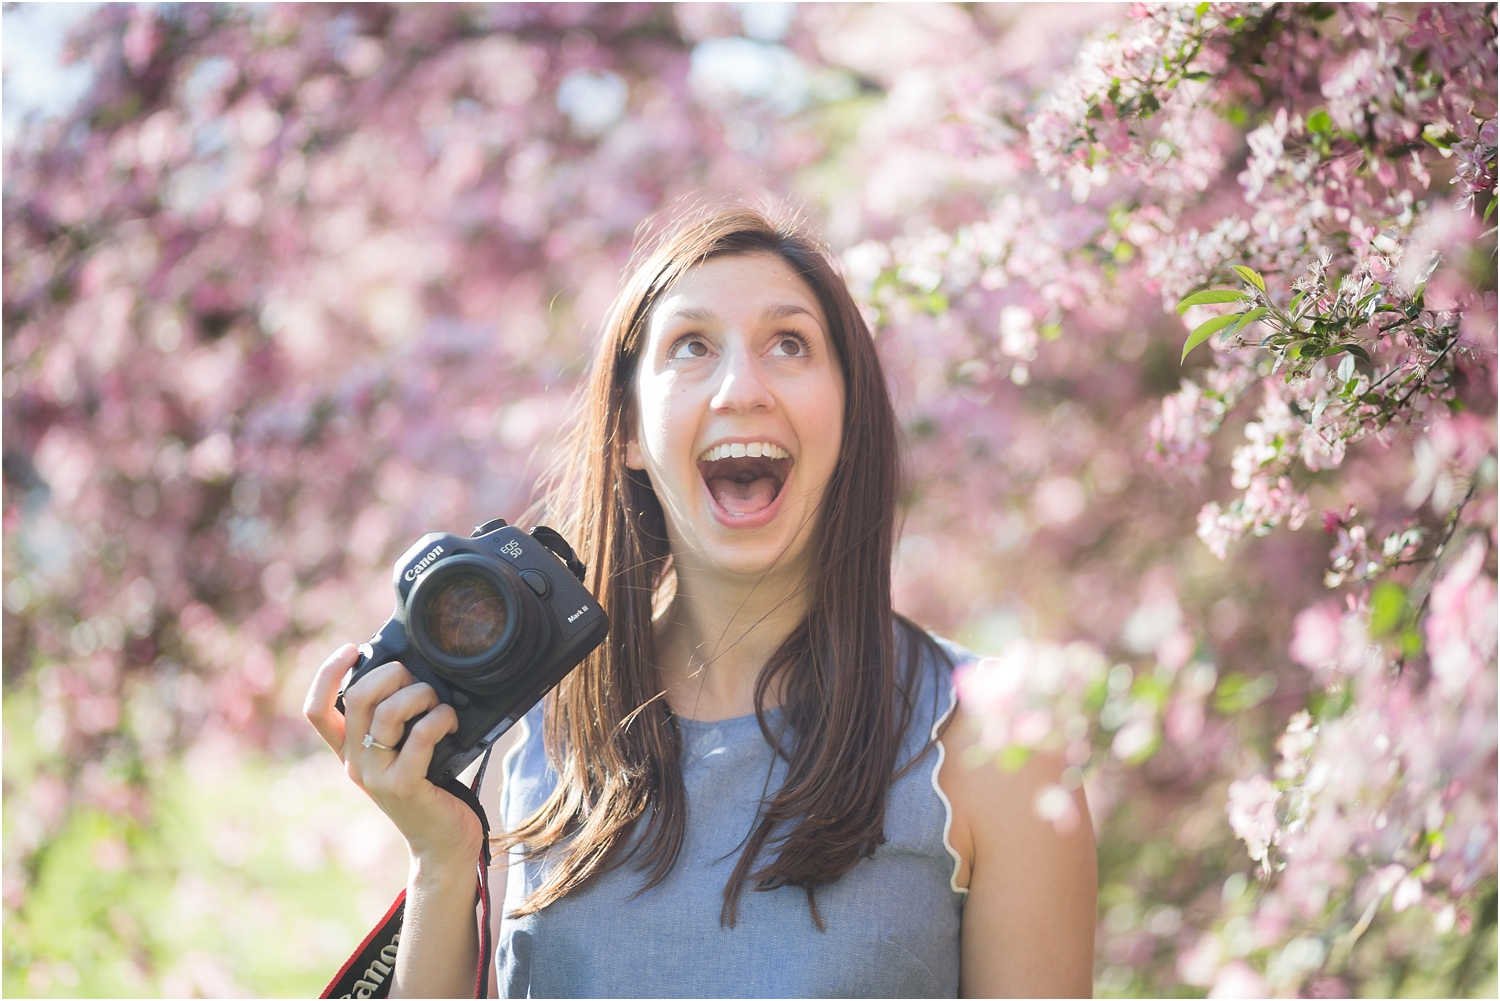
x=1343 y=273
x=1155 y=287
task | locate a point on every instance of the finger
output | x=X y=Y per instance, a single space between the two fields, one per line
x=318 y=707
x=416 y=753
x=389 y=720
x=367 y=693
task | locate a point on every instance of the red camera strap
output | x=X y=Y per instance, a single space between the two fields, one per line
x=368 y=972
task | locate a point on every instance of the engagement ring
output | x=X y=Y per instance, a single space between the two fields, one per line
x=370 y=741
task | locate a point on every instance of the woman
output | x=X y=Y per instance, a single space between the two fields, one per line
x=754 y=787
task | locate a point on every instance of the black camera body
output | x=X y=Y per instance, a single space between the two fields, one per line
x=492 y=622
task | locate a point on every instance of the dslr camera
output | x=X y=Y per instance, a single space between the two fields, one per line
x=492 y=622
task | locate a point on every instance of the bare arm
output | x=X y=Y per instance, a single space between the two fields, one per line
x=1028 y=925
x=439 y=935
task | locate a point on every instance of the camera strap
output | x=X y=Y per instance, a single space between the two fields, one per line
x=367 y=973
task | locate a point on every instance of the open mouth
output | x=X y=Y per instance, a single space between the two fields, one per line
x=745 y=479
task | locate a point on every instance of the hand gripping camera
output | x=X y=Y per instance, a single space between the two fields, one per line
x=492 y=623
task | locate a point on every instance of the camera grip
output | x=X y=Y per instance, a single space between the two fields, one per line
x=364 y=665
x=388 y=644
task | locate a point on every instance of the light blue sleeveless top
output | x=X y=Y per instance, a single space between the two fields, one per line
x=892 y=922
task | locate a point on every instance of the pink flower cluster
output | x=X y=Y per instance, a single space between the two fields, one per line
x=1182 y=431
x=1393 y=797
x=1101 y=116
x=1031 y=694
x=1032 y=697
x=1461 y=627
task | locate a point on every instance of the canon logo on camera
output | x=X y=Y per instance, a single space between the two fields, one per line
x=424 y=563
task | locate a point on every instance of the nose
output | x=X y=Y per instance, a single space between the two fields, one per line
x=742 y=386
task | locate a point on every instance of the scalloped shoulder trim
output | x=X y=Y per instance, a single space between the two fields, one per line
x=942 y=796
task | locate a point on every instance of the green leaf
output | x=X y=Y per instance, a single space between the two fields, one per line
x=1387 y=608
x=1236 y=692
x=1211 y=295
x=1438 y=135
x=1258 y=313
x=1145 y=754
x=1199 y=75
x=1489 y=209
x=1319 y=121
x=1356 y=351
x=1205 y=330
x=933 y=302
x=1149 y=689
x=1250 y=275
x=1326 y=705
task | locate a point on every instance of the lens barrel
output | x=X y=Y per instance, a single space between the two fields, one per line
x=465 y=615
x=474 y=621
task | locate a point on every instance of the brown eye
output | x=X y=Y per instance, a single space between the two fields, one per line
x=791 y=346
x=688 y=348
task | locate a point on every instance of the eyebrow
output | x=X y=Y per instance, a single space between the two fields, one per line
x=788 y=309
x=699 y=314
x=695 y=313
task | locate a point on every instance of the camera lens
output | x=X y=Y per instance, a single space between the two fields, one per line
x=475 y=622
x=466 y=615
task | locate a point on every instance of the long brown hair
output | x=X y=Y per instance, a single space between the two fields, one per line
x=846 y=704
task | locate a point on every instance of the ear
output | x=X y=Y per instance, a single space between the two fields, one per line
x=633 y=457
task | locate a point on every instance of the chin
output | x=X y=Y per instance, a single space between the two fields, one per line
x=749 y=547
x=752 y=560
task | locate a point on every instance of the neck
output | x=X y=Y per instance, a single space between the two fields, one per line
x=717 y=635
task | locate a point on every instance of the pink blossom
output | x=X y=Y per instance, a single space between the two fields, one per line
x=1461 y=627
x=1267 y=503
x=1199 y=965
x=1238 y=980
x=1317 y=635
x=1407 y=893
x=1055 y=805
x=1180 y=431
x=1026 y=696
x=1252 y=814
x=1184 y=721
x=1216 y=529
x=991 y=686
x=1446 y=457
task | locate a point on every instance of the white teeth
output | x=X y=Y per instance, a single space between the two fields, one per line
x=735 y=450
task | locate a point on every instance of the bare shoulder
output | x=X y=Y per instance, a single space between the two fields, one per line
x=995 y=804
x=1028 y=926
